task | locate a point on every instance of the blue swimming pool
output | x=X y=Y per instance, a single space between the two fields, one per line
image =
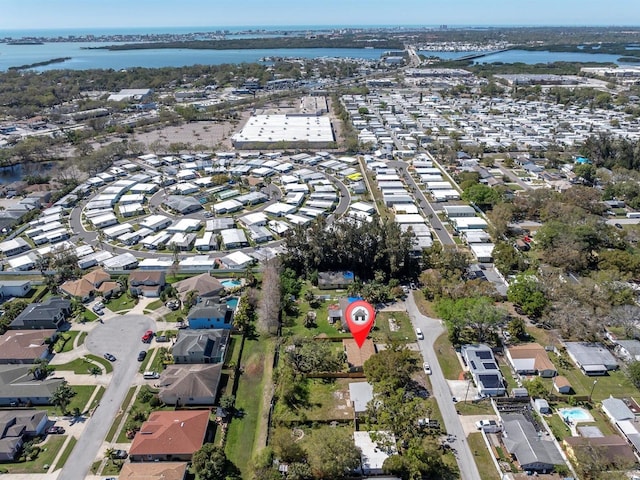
x=232 y=303
x=575 y=414
x=231 y=283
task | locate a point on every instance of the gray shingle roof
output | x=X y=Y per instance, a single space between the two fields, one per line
x=522 y=440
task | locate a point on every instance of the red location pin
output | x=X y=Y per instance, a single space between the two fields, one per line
x=360 y=316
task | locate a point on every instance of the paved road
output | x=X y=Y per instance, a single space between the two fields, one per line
x=432 y=329
x=119 y=336
x=513 y=177
x=423 y=203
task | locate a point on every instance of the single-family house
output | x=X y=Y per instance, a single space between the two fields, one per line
x=154 y=471
x=210 y=314
x=19 y=387
x=591 y=358
x=14 y=288
x=16 y=427
x=334 y=280
x=484 y=369
x=204 y=284
x=531 y=359
x=170 y=436
x=23 y=346
x=532 y=452
x=50 y=314
x=375 y=448
x=92 y=283
x=356 y=356
x=360 y=394
x=200 y=346
x=617 y=410
x=629 y=350
x=148 y=283
x=195 y=384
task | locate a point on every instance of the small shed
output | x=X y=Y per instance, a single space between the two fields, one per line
x=561 y=384
x=520 y=392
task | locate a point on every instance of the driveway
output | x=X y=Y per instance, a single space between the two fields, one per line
x=120 y=336
x=432 y=329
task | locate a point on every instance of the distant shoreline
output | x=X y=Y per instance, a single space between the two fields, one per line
x=40 y=64
x=260 y=43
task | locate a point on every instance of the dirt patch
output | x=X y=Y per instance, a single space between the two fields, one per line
x=255 y=367
x=213 y=135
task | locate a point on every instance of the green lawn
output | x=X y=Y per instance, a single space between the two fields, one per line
x=155 y=305
x=482 y=457
x=82 y=365
x=470 y=408
x=113 y=431
x=327 y=402
x=383 y=331
x=123 y=302
x=65 y=341
x=83 y=336
x=508 y=376
x=614 y=383
x=89 y=316
x=50 y=448
x=145 y=362
x=232 y=355
x=447 y=358
x=425 y=307
x=252 y=386
x=67 y=451
x=83 y=394
x=295 y=326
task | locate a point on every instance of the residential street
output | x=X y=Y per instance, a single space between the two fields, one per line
x=432 y=329
x=120 y=336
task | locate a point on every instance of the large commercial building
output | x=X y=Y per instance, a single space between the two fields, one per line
x=274 y=131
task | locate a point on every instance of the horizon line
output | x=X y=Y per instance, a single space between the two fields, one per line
x=333 y=26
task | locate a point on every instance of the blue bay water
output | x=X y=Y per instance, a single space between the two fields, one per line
x=82 y=59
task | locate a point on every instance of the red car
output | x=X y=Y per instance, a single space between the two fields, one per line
x=148 y=335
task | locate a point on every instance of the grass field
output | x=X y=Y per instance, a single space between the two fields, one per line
x=295 y=326
x=470 y=408
x=50 y=448
x=383 y=331
x=89 y=316
x=83 y=394
x=67 y=451
x=113 y=431
x=482 y=457
x=123 y=302
x=83 y=336
x=252 y=386
x=156 y=304
x=82 y=365
x=447 y=358
x=145 y=363
x=327 y=402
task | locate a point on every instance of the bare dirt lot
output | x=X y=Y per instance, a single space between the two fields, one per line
x=213 y=135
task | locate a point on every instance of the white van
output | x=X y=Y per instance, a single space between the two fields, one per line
x=150 y=375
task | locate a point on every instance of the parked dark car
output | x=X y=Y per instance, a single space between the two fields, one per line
x=120 y=454
x=142 y=355
x=55 y=430
x=109 y=357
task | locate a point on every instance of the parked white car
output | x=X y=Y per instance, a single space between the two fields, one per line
x=488 y=426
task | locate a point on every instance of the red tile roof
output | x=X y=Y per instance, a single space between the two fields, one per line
x=169 y=432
